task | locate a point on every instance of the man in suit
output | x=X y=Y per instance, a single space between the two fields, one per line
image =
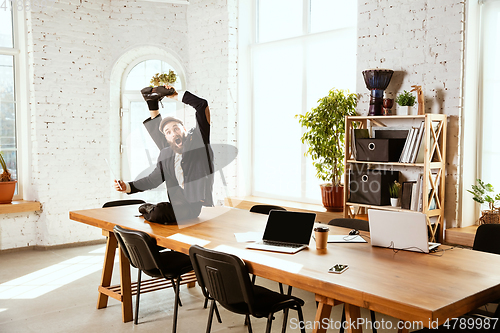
x=185 y=160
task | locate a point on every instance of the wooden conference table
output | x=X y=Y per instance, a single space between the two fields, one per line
x=406 y=285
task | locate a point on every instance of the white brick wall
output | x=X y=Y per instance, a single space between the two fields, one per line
x=75 y=46
x=422 y=42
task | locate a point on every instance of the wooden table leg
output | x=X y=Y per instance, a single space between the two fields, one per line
x=323 y=311
x=126 y=288
x=352 y=314
x=191 y=284
x=107 y=268
x=325 y=305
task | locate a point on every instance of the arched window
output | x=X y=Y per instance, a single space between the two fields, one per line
x=139 y=152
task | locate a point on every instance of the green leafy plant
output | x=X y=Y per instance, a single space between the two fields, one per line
x=405 y=99
x=480 y=192
x=163 y=79
x=5 y=176
x=326 y=131
x=394 y=189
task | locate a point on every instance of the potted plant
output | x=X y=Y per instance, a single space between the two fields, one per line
x=325 y=136
x=480 y=192
x=7 y=184
x=394 y=191
x=163 y=79
x=406 y=100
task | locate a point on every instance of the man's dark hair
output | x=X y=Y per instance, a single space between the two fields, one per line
x=167 y=120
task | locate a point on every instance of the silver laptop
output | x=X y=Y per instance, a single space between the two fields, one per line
x=399 y=230
x=287 y=232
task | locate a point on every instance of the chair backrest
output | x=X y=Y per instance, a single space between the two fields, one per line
x=265 y=209
x=357 y=224
x=487 y=238
x=224 y=276
x=123 y=202
x=139 y=248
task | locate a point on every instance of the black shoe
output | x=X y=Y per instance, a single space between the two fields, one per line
x=149 y=95
x=163 y=92
x=157 y=93
x=146 y=208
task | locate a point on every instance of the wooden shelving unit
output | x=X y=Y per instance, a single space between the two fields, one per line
x=433 y=167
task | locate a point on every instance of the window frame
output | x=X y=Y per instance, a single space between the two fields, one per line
x=21 y=97
x=248 y=42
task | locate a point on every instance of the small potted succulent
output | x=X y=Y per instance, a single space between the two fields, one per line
x=7 y=184
x=394 y=191
x=406 y=100
x=480 y=193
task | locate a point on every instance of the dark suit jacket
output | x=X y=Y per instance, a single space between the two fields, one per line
x=197 y=160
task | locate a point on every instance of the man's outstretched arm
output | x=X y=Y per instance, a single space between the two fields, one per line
x=202 y=113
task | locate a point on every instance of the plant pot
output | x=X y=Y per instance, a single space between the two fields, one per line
x=405 y=110
x=333 y=197
x=7 y=190
x=394 y=202
x=490 y=217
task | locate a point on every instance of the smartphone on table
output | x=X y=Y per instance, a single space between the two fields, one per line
x=338 y=268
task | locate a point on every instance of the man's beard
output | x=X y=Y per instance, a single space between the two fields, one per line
x=174 y=144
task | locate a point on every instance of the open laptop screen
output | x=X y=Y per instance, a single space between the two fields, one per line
x=290 y=227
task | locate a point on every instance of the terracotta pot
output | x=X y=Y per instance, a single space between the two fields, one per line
x=333 y=197
x=7 y=191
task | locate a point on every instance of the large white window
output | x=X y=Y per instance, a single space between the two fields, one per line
x=489 y=88
x=300 y=49
x=10 y=83
x=139 y=152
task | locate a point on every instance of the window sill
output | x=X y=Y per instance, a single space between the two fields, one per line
x=247 y=202
x=19 y=206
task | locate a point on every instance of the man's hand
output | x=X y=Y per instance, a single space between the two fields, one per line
x=120 y=186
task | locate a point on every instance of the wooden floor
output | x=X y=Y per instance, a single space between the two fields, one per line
x=455 y=236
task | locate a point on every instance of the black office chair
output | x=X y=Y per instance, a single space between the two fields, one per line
x=487 y=238
x=144 y=254
x=123 y=202
x=360 y=225
x=265 y=209
x=224 y=278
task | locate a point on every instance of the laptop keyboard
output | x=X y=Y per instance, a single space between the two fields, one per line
x=274 y=243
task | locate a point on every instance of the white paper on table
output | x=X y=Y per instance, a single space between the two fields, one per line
x=251 y=236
